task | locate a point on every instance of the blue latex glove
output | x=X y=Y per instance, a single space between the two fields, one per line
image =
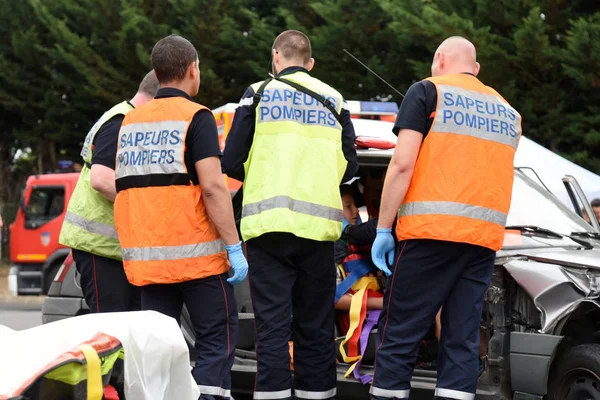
x=383 y=249
x=238 y=263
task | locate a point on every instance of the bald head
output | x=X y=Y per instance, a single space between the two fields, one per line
x=455 y=55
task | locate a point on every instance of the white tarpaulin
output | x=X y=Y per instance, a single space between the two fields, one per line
x=551 y=168
x=157 y=364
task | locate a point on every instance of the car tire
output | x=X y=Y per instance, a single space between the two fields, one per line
x=576 y=374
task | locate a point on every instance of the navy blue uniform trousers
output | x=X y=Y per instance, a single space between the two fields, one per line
x=104 y=284
x=427 y=275
x=292 y=284
x=213 y=313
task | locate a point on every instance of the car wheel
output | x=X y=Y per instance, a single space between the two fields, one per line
x=576 y=374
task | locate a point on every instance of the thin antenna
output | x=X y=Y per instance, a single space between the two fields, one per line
x=373 y=72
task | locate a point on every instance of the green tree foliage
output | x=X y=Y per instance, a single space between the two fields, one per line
x=542 y=56
x=66 y=61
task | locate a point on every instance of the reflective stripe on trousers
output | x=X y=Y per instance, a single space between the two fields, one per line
x=97 y=228
x=454 y=394
x=301 y=394
x=276 y=395
x=453 y=208
x=163 y=253
x=399 y=394
x=214 y=390
x=299 y=206
x=309 y=394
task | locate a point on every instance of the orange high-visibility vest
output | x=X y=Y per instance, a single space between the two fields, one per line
x=462 y=182
x=165 y=233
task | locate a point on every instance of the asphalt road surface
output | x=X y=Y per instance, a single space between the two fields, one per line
x=20 y=313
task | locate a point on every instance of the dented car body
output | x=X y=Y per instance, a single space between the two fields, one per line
x=542 y=308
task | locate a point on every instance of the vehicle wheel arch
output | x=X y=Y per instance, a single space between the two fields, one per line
x=55 y=258
x=576 y=328
x=579 y=323
x=52 y=263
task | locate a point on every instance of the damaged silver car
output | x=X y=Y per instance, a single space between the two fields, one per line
x=542 y=309
x=543 y=304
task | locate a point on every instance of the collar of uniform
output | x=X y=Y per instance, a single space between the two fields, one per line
x=291 y=70
x=468 y=73
x=171 y=92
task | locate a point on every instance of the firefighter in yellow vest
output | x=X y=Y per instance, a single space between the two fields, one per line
x=292 y=144
x=174 y=215
x=450 y=184
x=89 y=228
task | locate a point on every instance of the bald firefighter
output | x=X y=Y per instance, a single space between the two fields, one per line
x=451 y=179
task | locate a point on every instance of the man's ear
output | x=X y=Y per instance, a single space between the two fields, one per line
x=192 y=70
x=477 y=67
x=311 y=63
x=441 y=60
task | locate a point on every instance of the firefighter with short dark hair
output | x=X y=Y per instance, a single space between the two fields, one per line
x=174 y=214
x=292 y=144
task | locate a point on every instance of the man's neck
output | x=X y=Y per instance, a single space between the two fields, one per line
x=183 y=86
x=460 y=70
x=285 y=67
x=139 y=99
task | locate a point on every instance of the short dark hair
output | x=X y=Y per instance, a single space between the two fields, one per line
x=149 y=85
x=293 y=45
x=347 y=189
x=171 y=56
x=596 y=203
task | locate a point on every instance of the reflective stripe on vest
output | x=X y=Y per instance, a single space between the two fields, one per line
x=174 y=252
x=89 y=222
x=449 y=208
x=296 y=163
x=91 y=226
x=461 y=186
x=164 y=229
x=303 y=207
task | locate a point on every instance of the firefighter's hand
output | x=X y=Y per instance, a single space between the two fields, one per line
x=382 y=251
x=238 y=263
